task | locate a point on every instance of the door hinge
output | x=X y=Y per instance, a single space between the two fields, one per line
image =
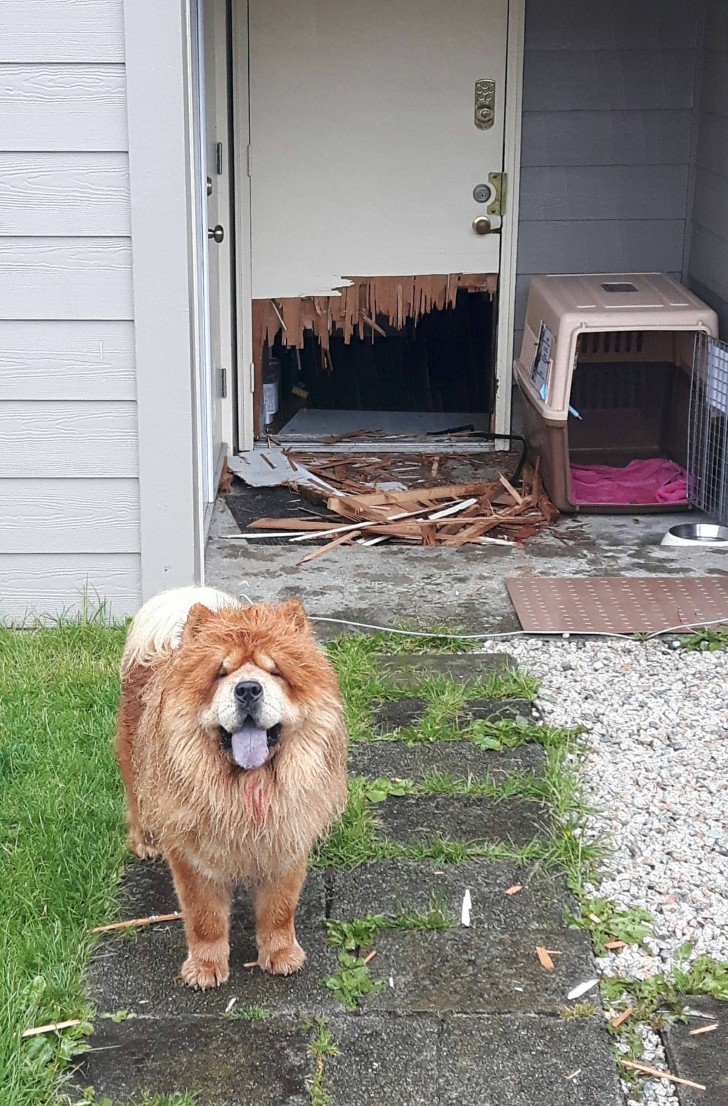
x=252 y=376
x=497 y=206
x=218 y=158
x=223 y=383
x=250 y=161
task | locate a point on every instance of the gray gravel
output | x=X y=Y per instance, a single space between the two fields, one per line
x=657 y=774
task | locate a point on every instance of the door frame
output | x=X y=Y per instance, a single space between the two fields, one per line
x=506 y=296
x=163 y=183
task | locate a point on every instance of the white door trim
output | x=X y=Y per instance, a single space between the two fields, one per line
x=241 y=215
x=509 y=232
x=162 y=183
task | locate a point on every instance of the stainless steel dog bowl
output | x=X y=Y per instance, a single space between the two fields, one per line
x=696 y=533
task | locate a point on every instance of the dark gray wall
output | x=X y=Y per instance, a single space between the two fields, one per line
x=607 y=113
x=708 y=229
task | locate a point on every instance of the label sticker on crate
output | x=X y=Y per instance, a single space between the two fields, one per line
x=542 y=360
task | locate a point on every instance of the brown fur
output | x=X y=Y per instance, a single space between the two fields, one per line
x=216 y=824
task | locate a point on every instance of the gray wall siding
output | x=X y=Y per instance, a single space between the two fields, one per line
x=69 y=494
x=708 y=238
x=607 y=116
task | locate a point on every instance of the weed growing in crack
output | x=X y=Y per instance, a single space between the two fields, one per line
x=351 y=980
x=320 y=1048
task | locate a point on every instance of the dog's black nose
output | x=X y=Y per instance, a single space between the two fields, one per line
x=248 y=692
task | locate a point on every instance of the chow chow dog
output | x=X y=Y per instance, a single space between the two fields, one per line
x=232 y=746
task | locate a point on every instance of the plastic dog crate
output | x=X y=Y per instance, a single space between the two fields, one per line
x=604 y=371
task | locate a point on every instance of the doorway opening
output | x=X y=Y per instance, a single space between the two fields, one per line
x=397 y=357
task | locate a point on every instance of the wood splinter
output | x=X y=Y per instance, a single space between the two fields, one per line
x=151 y=920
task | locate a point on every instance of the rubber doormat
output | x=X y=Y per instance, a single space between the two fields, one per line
x=616 y=604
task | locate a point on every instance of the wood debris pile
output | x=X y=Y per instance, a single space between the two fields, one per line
x=451 y=515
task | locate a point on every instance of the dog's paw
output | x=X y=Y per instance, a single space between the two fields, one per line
x=203 y=974
x=143 y=846
x=283 y=961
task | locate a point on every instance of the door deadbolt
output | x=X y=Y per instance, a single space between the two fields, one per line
x=217 y=233
x=482 y=193
x=482 y=225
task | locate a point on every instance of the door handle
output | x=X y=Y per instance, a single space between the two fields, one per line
x=217 y=233
x=483 y=225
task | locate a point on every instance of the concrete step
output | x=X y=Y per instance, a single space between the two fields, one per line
x=405 y=670
x=395 y=714
x=413 y=819
x=392 y=886
x=460 y=759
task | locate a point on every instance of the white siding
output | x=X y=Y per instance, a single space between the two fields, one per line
x=708 y=242
x=607 y=112
x=69 y=494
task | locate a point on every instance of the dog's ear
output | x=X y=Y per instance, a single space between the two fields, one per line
x=293 y=610
x=198 y=617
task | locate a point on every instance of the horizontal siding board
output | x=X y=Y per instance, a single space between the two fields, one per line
x=710 y=203
x=69 y=516
x=616 y=25
x=714 y=90
x=709 y=260
x=62 y=30
x=716 y=23
x=65 y=278
x=584 y=247
x=50 y=585
x=68 y=439
x=62 y=107
x=719 y=305
x=712 y=147
x=605 y=138
x=567 y=80
x=67 y=360
x=604 y=192
x=64 y=194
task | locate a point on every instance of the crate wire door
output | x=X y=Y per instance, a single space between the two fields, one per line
x=708 y=429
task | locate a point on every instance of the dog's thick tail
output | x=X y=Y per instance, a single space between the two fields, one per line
x=157 y=627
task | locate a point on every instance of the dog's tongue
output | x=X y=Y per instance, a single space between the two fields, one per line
x=250 y=746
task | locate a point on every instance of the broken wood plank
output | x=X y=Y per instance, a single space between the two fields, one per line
x=328 y=547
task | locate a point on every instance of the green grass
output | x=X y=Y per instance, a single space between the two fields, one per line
x=321 y=1048
x=61 y=835
x=706 y=639
x=354 y=657
x=252 y=1013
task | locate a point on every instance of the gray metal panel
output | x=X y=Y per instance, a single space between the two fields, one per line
x=62 y=30
x=68 y=584
x=607 y=132
x=595 y=80
x=711 y=203
x=708 y=231
x=68 y=439
x=69 y=516
x=712 y=148
x=606 y=138
x=610 y=246
x=604 y=192
x=65 y=278
x=595 y=25
x=715 y=80
x=64 y=194
x=67 y=360
x=709 y=260
x=62 y=107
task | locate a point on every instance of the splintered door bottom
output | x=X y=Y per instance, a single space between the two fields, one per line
x=617 y=604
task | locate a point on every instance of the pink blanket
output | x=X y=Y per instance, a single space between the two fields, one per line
x=654 y=481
